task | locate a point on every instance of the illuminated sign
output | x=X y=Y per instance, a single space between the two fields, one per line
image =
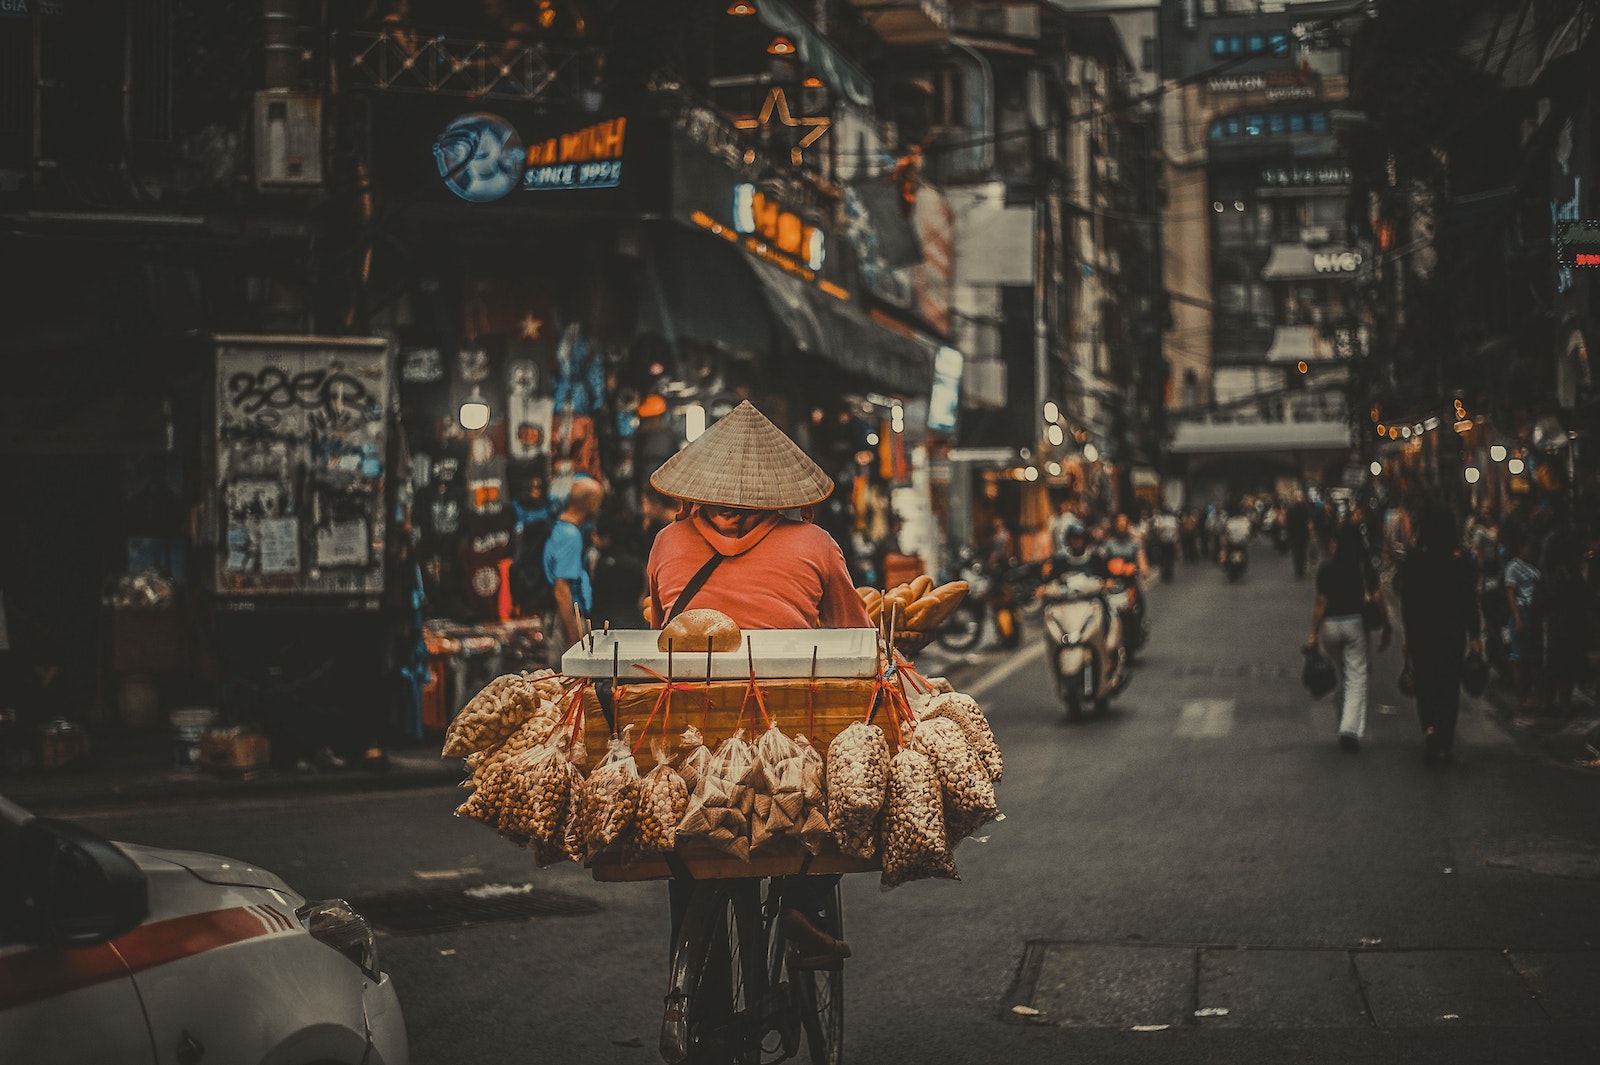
x=1578 y=243
x=777 y=105
x=754 y=213
x=481 y=159
x=1301 y=176
x=1335 y=262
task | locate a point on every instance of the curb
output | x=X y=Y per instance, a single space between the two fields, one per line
x=1492 y=703
x=60 y=793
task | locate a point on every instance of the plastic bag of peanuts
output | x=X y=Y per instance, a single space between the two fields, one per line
x=663 y=799
x=968 y=717
x=914 y=846
x=695 y=758
x=536 y=730
x=492 y=715
x=858 y=778
x=969 y=801
x=524 y=797
x=610 y=798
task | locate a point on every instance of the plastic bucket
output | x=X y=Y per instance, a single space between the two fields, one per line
x=188 y=729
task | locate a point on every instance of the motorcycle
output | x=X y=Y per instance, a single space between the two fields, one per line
x=992 y=590
x=1128 y=599
x=1234 y=559
x=1086 y=658
x=1164 y=545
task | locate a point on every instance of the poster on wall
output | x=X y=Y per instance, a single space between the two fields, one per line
x=299 y=466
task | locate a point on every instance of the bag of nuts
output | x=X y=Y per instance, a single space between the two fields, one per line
x=914 y=846
x=491 y=716
x=610 y=798
x=536 y=730
x=663 y=798
x=969 y=802
x=858 y=778
x=968 y=717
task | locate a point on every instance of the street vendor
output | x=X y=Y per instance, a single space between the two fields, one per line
x=743 y=543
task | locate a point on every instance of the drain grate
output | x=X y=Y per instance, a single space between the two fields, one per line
x=418 y=913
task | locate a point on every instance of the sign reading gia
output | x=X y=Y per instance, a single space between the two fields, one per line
x=481 y=158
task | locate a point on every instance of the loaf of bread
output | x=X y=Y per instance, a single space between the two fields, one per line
x=690 y=629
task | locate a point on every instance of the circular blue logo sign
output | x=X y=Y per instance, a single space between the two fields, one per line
x=480 y=157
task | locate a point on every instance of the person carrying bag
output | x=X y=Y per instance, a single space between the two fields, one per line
x=1346 y=583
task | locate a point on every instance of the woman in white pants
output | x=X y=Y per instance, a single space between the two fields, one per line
x=1344 y=583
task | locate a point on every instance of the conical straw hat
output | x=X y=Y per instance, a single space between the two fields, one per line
x=744 y=460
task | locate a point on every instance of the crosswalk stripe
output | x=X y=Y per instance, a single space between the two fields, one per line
x=1206 y=719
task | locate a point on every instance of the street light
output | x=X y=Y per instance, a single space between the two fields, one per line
x=1497 y=452
x=1091 y=453
x=1515 y=467
x=1031 y=473
x=1055 y=434
x=1376 y=467
x=1471 y=474
x=1051 y=411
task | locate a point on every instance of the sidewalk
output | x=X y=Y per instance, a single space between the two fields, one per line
x=139 y=768
x=1571 y=743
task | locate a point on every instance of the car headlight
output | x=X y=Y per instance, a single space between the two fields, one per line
x=333 y=923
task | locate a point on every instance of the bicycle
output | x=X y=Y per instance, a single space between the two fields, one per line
x=727 y=1001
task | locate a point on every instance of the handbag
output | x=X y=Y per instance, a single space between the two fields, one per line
x=1318 y=674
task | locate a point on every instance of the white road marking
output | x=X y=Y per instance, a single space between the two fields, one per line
x=1206 y=719
x=1018 y=661
x=446 y=874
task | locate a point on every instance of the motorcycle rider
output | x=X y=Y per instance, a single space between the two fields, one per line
x=1081 y=556
x=1236 y=531
x=1122 y=546
x=1164 y=530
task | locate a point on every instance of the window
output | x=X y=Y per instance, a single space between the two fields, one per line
x=1254 y=125
x=1278 y=43
x=1219 y=46
x=1277 y=125
x=1297 y=123
x=1319 y=122
x=1217 y=130
x=1255 y=44
x=1232 y=123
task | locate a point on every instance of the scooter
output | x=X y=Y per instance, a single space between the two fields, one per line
x=1082 y=643
x=991 y=593
x=1128 y=599
x=1234 y=558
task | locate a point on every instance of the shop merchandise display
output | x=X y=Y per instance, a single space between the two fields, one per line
x=893 y=786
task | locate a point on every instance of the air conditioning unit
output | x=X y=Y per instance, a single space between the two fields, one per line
x=288 y=141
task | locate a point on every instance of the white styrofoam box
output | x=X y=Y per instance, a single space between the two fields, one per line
x=777 y=653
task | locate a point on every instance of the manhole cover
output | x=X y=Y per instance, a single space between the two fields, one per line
x=416 y=913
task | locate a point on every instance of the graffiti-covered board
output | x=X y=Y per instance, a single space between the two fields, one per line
x=301 y=436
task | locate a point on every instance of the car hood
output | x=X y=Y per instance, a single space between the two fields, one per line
x=212 y=868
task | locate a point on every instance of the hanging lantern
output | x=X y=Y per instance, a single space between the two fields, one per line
x=781 y=45
x=741 y=7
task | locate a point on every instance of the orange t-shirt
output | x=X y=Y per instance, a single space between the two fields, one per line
x=792 y=577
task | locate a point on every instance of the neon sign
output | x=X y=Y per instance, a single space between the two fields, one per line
x=757 y=215
x=481 y=159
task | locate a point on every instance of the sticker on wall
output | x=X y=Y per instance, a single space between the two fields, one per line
x=421 y=366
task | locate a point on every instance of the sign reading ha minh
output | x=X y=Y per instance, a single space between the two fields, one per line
x=481 y=159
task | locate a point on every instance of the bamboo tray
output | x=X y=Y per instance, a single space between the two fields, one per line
x=781 y=857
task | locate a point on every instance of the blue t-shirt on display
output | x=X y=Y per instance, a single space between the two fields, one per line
x=563 y=560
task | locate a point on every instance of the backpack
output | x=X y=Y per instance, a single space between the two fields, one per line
x=531 y=590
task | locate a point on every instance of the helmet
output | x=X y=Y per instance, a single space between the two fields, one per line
x=1077 y=531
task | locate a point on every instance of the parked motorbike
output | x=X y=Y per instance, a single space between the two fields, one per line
x=996 y=592
x=1082 y=643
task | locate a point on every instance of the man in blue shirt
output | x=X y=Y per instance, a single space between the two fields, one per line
x=564 y=564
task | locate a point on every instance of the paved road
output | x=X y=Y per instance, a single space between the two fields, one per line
x=1205 y=849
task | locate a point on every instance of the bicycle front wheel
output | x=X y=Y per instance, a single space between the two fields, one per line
x=819 y=997
x=717 y=961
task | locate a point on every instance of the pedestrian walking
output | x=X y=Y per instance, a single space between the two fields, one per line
x=564 y=563
x=1345 y=583
x=1297 y=528
x=1439 y=611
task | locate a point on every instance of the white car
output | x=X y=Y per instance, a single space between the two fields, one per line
x=111 y=952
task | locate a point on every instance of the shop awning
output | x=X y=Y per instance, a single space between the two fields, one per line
x=703 y=289
x=1292 y=343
